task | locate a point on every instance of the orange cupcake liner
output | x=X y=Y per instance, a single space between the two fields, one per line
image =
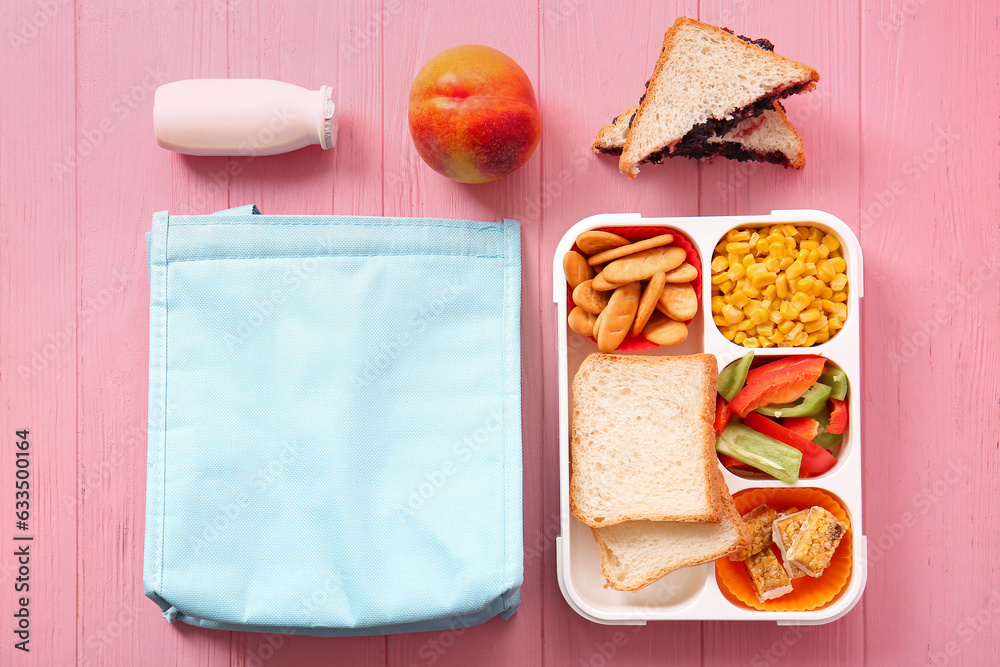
x=808 y=593
x=635 y=234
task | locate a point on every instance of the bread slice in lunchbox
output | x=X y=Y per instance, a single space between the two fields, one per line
x=768 y=137
x=642 y=444
x=637 y=553
x=706 y=81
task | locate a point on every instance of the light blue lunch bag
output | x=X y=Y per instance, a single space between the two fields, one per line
x=334 y=422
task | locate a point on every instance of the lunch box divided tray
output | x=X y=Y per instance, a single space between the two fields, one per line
x=693 y=593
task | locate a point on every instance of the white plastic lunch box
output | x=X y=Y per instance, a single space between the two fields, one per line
x=692 y=593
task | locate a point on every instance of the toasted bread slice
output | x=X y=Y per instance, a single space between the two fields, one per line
x=637 y=553
x=768 y=137
x=642 y=445
x=705 y=82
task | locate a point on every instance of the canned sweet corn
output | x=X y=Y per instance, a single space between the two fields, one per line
x=782 y=285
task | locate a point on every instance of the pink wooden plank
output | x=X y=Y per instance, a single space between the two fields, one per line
x=929 y=211
x=122 y=55
x=413 y=35
x=39 y=328
x=827 y=119
x=597 y=56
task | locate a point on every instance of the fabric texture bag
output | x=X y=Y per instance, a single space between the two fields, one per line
x=334 y=422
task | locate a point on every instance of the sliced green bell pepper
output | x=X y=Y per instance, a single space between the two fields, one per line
x=808 y=405
x=827 y=440
x=733 y=376
x=837 y=380
x=760 y=451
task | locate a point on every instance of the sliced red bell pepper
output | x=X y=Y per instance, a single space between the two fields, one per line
x=722 y=414
x=807 y=427
x=784 y=362
x=814 y=458
x=781 y=386
x=838 y=417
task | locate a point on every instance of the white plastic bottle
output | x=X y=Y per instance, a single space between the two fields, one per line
x=242 y=117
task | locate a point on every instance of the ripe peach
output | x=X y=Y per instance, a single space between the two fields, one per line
x=473 y=115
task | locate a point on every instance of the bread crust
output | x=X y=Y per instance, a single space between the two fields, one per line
x=630 y=165
x=706 y=411
x=740 y=543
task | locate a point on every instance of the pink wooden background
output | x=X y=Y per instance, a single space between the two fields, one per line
x=902 y=142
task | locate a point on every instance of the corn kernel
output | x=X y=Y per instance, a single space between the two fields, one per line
x=788 y=311
x=831 y=242
x=730 y=334
x=738 y=298
x=738 y=247
x=777 y=338
x=822 y=336
x=795 y=270
x=811 y=340
x=739 y=337
x=790 y=244
x=827 y=293
x=772 y=264
x=719 y=263
x=816 y=304
x=770 y=291
x=718 y=302
x=809 y=315
x=732 y=259
x=748 y=261
x=817 y=289
x=764 y=342
x=735 y=272
x=775 y=238
x=813 y=256
x=825 y=271
x=765 y=328
x=766 y=303
x=786 y=326
x=751 y=342
x=749 y=289
x=805 y=284
x=762 y=280
x=809 y=269
x=719 y=278
x=835 y=324
x=803 y=231
x=823 y=251
x=781 y=286
x=839 y=296
x=738 y=235
x=800 y=340
x=838 y=264
x=758 y=316
x=840 y=310
x=795 y=331
x=720 y=247
x=726 y=287
x=754 y=269
x=799 y=301
x=815 y=234
x=776 y=250
x=786 y=343
x=785 y=262
x=746 y=325
x=829 y=306
x=809 y=244
x=838 y=282
x=731 y=314
x=720 y=321
x=819 y=325
x=789 y=230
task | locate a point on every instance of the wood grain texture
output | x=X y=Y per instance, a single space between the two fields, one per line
x=902 y=143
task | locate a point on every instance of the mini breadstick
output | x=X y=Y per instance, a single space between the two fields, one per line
x=582 y=322
x=602 y=285
x=678 y=300
x=647 y=305
x=642 y=265
x=597 y=324
x=664 y=331
x=684 y=273
x=590 y=300
x=576 y=269
x=631 y=249
x=594 y=242
x=618 y=317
